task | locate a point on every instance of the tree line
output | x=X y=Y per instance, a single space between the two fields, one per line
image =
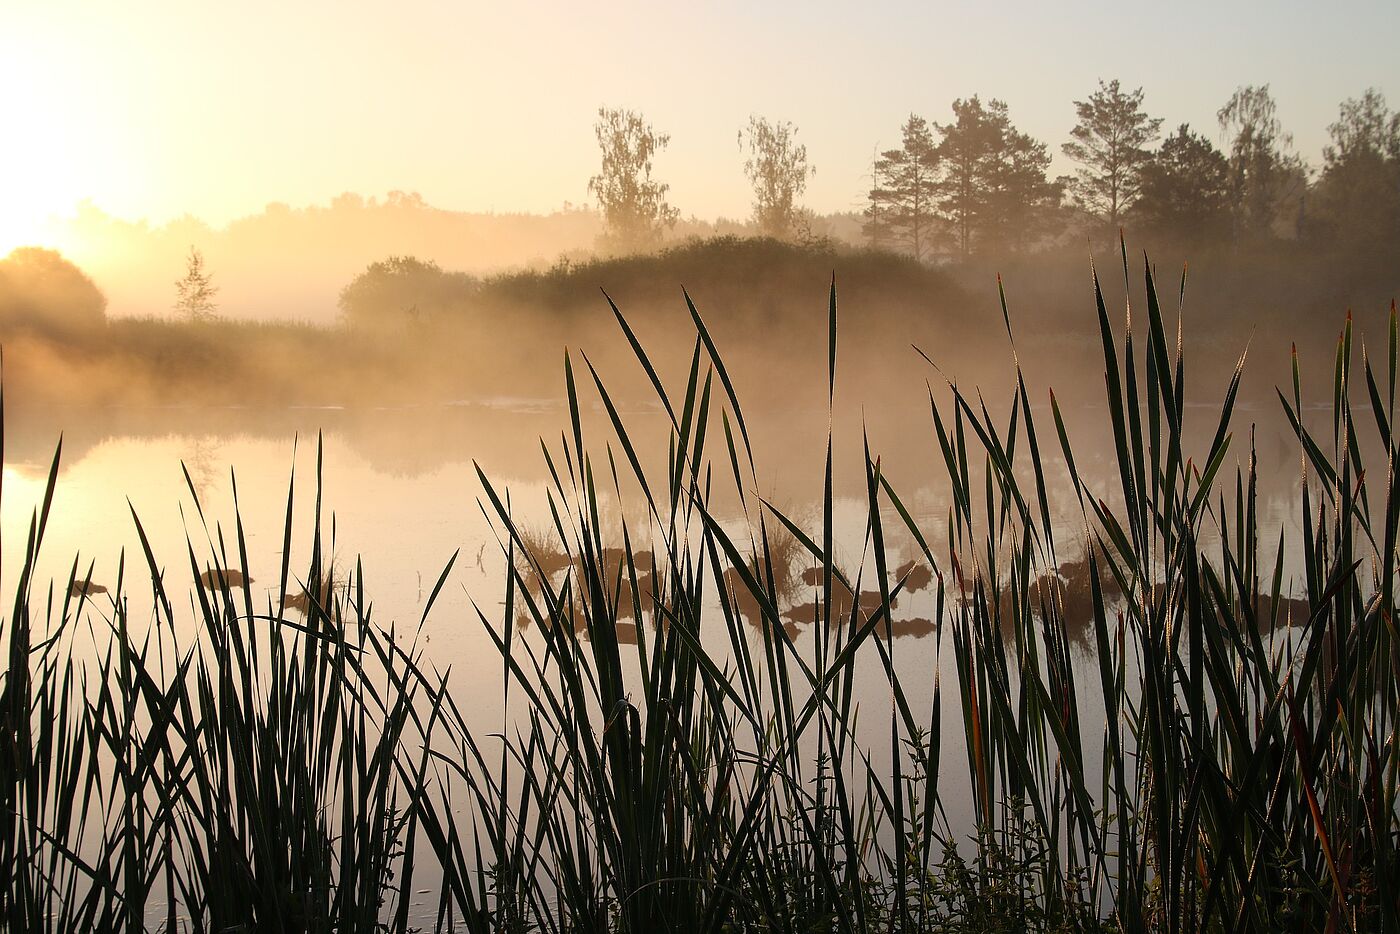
x=977 y=183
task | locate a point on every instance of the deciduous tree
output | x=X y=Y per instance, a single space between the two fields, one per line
x=1265 y=177
x=1358 y=195
x=194 y=294
x=633 y=203
x=403 y=289
x=40 y=289
x=777 y=168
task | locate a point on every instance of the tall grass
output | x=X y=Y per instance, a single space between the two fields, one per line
x=660 y=767
x=256 y=774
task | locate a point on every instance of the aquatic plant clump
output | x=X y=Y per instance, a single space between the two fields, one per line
x=677 y=754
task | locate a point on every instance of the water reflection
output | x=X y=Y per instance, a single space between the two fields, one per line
x=1065 y=595
x=85 y=588
x=218 y=579
x=399 y=482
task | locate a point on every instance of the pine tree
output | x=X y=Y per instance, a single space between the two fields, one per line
x=1110 y=141
x=994 y=187
x=875 y=227
x=1185 y=190
x=903 y=203
x=1022 y=200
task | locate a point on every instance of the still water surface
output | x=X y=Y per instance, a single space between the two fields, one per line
x=400 y=495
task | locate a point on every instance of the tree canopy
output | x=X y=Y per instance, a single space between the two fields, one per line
x=904 y=200
x=633 y=203
x=1185 y=190
x=995 y=188
x=1266 y=178
x=1110 y=142
x=41 y=290
x=1358 y=195
x=982 y=184
x=402 y=289
x=194 y=293
x=776 y=166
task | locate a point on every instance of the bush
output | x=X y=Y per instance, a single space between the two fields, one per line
x=402 y=289
x=40 y=290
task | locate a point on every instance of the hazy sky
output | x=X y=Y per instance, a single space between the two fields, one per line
x=154 y=108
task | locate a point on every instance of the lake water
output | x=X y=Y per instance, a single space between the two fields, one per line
x=400 y=494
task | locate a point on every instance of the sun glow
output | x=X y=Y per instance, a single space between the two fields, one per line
x=50 y=159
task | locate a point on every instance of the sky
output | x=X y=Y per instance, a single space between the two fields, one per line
x=154 y=109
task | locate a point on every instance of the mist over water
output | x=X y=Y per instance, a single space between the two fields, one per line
x=454 y=453
x=429 y=373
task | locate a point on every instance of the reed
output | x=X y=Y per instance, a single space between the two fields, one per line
x=673 y=758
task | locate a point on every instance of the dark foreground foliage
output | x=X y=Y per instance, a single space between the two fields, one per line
x=290 y=765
